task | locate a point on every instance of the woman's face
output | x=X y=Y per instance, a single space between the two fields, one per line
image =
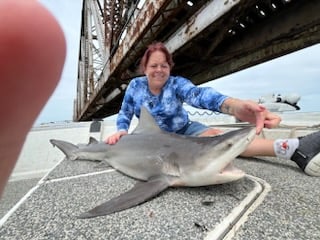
x=157 y=70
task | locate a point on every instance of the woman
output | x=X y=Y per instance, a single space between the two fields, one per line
x=163 y=95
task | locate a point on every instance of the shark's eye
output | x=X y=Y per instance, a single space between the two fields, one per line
x=229 y=144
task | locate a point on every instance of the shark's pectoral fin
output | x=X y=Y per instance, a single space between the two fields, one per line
x=140 y=193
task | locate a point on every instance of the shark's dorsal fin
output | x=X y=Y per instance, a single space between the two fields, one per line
x=92 y=140
x=146 y=124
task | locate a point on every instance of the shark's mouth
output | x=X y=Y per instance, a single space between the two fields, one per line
x=230 y=168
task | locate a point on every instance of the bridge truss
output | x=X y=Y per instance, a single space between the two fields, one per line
x=208 y=39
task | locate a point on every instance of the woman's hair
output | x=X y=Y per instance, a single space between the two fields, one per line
x=157 y=46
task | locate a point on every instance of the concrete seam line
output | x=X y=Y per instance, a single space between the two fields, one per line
x=228 y=227
x=42 y=182
x=78 y=176
x=17 y=205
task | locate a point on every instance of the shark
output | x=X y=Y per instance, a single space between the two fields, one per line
x=159 y=160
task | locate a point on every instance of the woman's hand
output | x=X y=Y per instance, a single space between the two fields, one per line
x=252 y=112
x=114 y=138
x=271 y=120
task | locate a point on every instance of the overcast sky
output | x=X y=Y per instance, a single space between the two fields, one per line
x=297 y=73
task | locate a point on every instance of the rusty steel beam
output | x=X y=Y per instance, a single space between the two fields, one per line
x=199 y=22
x=133 y=31
x=140 y=31
x=296 y=27
x=102 y=25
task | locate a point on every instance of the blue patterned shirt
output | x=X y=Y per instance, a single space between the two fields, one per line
x=166 y=107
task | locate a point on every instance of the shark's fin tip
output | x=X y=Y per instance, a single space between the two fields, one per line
x=147 y=123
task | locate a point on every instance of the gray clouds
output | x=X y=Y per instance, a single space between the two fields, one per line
x=298 y=72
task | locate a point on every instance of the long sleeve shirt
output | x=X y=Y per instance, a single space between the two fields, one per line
x=167 y=107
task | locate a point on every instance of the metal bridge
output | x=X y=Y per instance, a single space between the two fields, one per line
x=208 y=39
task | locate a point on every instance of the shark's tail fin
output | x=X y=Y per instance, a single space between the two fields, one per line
x=67 y=148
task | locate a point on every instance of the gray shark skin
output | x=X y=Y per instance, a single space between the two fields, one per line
x=160 y=160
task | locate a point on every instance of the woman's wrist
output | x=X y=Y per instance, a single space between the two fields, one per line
x=228 y=106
